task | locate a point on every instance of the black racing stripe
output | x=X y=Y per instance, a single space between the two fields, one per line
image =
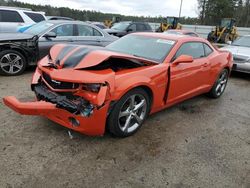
x=63 y=52
x=74 y=59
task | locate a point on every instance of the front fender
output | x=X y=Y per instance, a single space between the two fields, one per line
x=131 y=83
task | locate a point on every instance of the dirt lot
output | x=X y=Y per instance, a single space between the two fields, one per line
x=199 y=143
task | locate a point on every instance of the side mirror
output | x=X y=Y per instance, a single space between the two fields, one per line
x=50 y=35
x=183 y=59
x=229 y=42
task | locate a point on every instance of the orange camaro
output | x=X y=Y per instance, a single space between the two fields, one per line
x=89 y=88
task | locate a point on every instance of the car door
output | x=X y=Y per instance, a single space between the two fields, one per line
x=140 y=27
x=10 y=20
x=87 y=35
x=65 y=33
x=188 y=79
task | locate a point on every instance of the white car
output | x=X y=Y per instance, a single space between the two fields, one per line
x=13 y=18
x=240 y=48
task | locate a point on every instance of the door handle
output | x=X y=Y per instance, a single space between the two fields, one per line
x=205 y=65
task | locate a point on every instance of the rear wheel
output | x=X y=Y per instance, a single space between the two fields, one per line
x=129 y=113
x=12 y=63
x=220 y=84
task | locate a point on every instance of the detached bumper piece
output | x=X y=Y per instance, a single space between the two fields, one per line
x=79 y=106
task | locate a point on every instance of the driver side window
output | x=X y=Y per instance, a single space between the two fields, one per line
x=132 y=27
x=194 y=49
x=64 y=30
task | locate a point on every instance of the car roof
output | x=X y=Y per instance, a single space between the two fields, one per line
x=65 y=21
x=174 y=37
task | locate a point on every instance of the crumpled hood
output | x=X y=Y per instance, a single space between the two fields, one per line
x=81 y=57
x=15 y=36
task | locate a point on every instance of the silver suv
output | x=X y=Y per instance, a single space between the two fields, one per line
x=13 y=18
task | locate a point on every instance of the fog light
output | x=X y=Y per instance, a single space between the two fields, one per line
x=74 y=122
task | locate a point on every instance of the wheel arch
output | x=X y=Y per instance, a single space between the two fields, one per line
x=15 y=48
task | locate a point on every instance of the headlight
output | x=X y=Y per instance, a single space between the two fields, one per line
x=92 y=87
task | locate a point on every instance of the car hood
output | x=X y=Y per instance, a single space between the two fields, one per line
x=15 y=36
x=82 y=57
x=237 y=50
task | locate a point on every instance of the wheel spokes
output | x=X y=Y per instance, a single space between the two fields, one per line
x=140 y=105
x=127 y=123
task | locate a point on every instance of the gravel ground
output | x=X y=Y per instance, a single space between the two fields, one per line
x=198 y=143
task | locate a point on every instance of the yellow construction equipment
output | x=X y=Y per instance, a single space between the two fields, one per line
x=110 y=23
x=225 y=32
x=169 y=23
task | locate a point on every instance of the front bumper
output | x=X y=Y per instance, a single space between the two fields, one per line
x=93 y=125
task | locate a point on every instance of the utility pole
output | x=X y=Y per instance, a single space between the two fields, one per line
x=180 y=9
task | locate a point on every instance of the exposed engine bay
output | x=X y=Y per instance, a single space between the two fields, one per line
x=117 y=64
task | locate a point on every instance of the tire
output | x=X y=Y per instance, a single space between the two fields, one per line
x=12 y=63
x=211 y=37
x=127 y=116
x=220 y=84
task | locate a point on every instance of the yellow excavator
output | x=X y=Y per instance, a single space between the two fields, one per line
x=225 y=32
x=110 y=23
x=169 y=23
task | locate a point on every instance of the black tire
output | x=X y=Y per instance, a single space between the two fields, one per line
x=7 y=58
x=222 y=78
x=114 y=120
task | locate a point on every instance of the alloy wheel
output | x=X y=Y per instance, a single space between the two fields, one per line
x=11 y=63
x=132 y=113
x=221 y=84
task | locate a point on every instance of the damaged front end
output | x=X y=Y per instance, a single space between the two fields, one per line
x=76 y=91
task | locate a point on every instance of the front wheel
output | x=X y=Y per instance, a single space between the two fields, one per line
x=12 y=63
x=129 y=113
x=220 y=84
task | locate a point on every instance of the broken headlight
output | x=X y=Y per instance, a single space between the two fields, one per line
x=92 y=87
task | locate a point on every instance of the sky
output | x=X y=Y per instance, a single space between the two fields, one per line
x=127 y=7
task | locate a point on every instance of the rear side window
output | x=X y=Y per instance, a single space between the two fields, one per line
x=208 y=50
x=84 y=30
x=10 y=16
x=194 y=49
x=141 y=27
x=35 y=16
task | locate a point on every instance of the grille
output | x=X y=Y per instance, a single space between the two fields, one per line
x=58 y=84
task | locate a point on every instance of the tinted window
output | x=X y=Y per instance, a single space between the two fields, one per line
x=140 y=27
x=35 y=16
x=64 y=30
x=10 y=16
x=141 y=46
x=194 y=49
x=84 y=30
x=132 y=27
x=207 y=49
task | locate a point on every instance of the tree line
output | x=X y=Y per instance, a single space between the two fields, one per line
x=210 y=12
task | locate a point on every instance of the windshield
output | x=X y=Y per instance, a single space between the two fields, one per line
x=225 y=23
x=120 y=26
x=151 y=48
x=242 y=41
x=39 y=28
